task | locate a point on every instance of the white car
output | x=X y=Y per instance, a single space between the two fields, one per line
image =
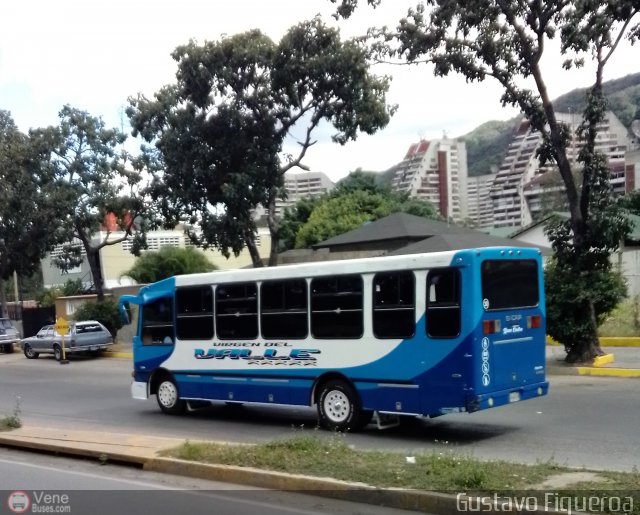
x=8 y=335
x=86 y=336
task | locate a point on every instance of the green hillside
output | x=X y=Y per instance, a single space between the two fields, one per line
x=487 y=145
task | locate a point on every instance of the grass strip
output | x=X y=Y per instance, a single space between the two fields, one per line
x=332 y=457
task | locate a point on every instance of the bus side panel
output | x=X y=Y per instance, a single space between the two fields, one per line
x=220 y=387
x=390 y=397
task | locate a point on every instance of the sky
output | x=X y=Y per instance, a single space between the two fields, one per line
x=94 y=55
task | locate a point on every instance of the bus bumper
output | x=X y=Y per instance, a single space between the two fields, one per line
x=139 y=390
x=502 y=397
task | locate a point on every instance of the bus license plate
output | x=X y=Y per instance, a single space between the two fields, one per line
x=514 y=396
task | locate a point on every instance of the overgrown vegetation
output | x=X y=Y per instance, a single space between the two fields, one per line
x=624 y=320
x=330 y=456
x=12 y=421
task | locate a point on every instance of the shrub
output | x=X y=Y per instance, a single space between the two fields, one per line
x=105 y=312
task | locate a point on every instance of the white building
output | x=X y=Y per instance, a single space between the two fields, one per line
x=522 y=187
x=435 y=171
x=479 y=203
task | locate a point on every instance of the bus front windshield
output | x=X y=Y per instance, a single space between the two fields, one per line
x=157 y=322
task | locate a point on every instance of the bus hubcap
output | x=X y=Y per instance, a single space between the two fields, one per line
x=336 y=406
x=167 y=394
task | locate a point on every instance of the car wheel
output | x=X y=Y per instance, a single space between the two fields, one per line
x=57 y=352
x=8 y=348
x=339 y=408
x=168 y=397
x=29 y=352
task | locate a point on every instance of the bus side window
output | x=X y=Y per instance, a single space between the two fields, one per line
x=394 y=305
x=283 y=309
x=157 y=322
x=337 y=307
x=194 y=313
x=443 y=303
x=237 y=311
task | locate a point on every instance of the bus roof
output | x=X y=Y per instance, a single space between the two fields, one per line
x=361 y=265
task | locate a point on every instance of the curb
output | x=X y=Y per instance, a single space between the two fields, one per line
x=34 y=445
x=608 y=372
x=430 y=502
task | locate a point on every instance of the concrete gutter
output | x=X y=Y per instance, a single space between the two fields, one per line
x=143 y=451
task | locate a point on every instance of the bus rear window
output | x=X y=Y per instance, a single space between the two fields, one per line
x=508 y=284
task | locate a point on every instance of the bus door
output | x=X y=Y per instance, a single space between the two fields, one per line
x=512 y=345
x=448 y=336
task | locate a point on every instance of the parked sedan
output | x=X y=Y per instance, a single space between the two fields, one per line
x=87 y=336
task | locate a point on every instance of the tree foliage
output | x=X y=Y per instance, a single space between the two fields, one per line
x=505 y=41
x=219 y=132
x=356 y=199
x=167 y=262
x=566 y=294
x=96 y=180
x=28 y=205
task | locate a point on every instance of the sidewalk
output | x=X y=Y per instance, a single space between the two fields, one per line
x=619 y=362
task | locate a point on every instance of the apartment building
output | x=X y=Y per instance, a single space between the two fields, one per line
x=479 y=203
x=435 y=171
x=522 y=189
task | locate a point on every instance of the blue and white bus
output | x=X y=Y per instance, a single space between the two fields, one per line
x=420 y=335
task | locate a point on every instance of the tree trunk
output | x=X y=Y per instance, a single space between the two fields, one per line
x=3 y=300
x=587 y=347
x=253 y=250
x=93 y=257
x=272 y=222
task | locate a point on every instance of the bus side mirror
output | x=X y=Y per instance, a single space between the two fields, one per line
x=125 y=313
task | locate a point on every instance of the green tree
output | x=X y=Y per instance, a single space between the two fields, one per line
x=28 y=206
x=505 y=41
x=293 y=219
x=219 y=131
x=342 y=212
x=564 y=292
x=357 y=198
x=96 y=179
x=167 y=262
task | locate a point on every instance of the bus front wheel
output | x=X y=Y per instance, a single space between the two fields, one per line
x=168 y=397
x=340 y=409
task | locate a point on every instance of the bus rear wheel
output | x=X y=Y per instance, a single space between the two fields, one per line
x=340 y=409
x=168 y=397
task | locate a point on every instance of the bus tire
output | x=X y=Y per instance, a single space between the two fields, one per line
x=168 y=397
x=340 y=409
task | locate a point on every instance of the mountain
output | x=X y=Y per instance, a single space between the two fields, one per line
x=487 y=144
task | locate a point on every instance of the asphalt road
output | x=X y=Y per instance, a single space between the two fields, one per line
x=584 y=421
x=84 y=487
